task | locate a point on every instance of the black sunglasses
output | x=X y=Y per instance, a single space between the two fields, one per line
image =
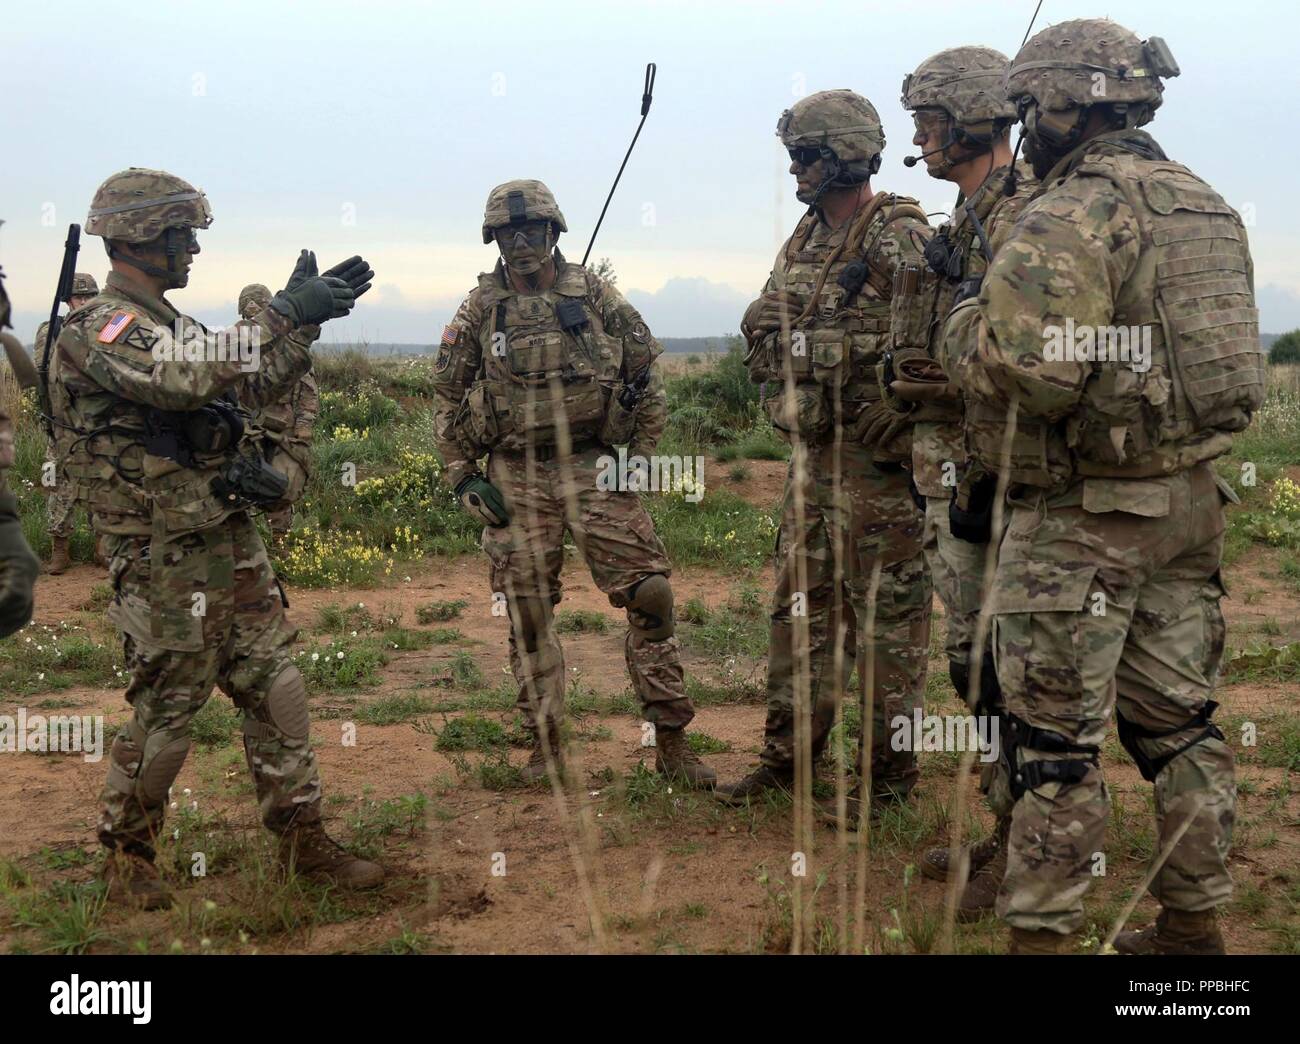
x=805 y=155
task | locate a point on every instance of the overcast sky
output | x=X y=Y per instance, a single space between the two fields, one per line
x=378 y=128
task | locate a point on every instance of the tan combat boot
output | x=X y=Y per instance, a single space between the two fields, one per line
x=761 y=780
x=134 y=881
x=1176 y=933
x=60 y=556
x=981 y=892
x=882 y=800
x=311 y=852
x=934 y=864
x=1025 y=941
x=674 y=757
x=536 y=767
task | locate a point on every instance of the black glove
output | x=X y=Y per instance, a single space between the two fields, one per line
x=314 y=300
x=483 y=500
x=18 y=569
x=355 y=271
x=303 y=270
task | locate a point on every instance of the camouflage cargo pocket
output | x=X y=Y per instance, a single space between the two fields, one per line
x=166 y=619
x=1040 y=639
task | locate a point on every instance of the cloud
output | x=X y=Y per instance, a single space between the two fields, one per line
x=691 y=306
x=1279 y=308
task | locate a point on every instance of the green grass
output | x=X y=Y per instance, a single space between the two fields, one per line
x=216 y=723
x=472 y=732
x=703 y=743
x=581 y=621
x=440 y=612
x=43 y=658
x=375 y=821
x=393 y=709
x=341 y=665
x=721 y=531
x=740 y=627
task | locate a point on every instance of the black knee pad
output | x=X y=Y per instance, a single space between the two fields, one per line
x=1130 y=733
x=650 y=608
x=1033 y=774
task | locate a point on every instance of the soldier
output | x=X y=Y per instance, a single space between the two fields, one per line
x=157 y=450
x=818 y=333
x=287 y=424
x=18 y=566
x=963 y=127
x=545 y=368
x=61 y=502
x=1116 y=330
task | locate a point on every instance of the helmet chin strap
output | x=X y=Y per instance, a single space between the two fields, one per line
x=172 y=274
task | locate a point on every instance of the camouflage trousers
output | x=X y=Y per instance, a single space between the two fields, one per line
x=1107 y=603
x=957 y=567
x=195 y=611
x=855 y=515
x=60 y=503
x=614 y=533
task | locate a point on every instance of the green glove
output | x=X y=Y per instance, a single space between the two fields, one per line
x=482 y=499
x=18 y=569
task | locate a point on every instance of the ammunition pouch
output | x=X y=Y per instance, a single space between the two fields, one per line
x=911 y=307
x=1150 y=767
x=1033 y=774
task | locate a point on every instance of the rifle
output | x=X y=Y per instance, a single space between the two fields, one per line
x=62 y=292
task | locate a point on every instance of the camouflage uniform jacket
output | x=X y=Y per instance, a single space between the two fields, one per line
x=504 y=369
x=1116 y=235
x=107 y=383
x=837 y=335
x=938 y=442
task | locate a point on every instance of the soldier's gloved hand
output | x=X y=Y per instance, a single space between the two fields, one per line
x=355 y=271
x=774 y=309
x=879 y=423
x=483 y=500
x=18 y=569
x=922 y=380
x=303 y=270
x=314 y=299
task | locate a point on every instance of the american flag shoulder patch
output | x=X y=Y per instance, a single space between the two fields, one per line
x=450 y=334
x=114 y=327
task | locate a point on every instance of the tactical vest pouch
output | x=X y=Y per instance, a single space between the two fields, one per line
x=620 y=422
x=1028 y=464
x=911 y=307
x=534 y=407
x=537 y=353
x=1205 y=303
x=799 y=409
x=480 y=416
x=1206 y=370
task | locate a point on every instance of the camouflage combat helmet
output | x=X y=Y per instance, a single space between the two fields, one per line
x=968 y=83
x=84 y=285
x=518 y=201
x=842 y=121
x=136 y=205
x=1091 y=61
x=254 y=293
